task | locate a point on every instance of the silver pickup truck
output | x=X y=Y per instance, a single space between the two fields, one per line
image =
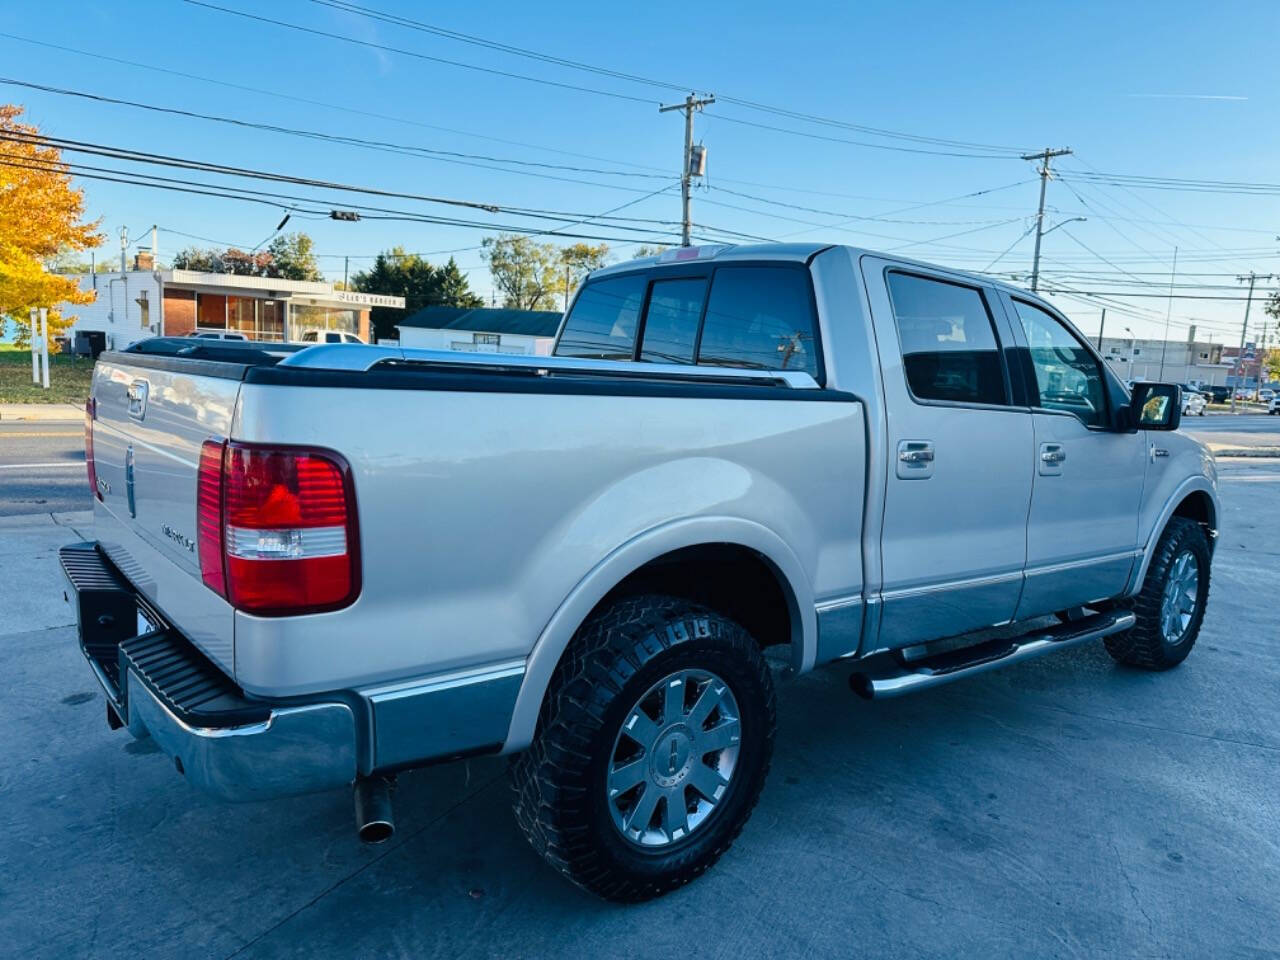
x=315 y=567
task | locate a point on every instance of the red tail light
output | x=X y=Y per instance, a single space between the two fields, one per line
x=209 y=516
x=278 y=532
x=90 y=414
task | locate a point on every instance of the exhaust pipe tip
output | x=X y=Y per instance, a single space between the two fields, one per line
x=374 y=821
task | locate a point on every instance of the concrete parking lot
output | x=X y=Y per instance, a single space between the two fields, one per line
x=1062 y=807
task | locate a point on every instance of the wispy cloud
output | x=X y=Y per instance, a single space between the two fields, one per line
x=1184 y=96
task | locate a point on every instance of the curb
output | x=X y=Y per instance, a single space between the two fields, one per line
x=1247 y=452
x=43 y=412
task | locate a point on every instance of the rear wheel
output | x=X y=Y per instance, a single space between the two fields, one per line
x=1171 y=606
x=652 y=748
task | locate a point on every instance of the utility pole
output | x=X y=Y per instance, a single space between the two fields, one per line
x=124 y=247
x=1102 y=325
x=346 y=263
x=1244 y=329
x=1168 y=315
x=691 y=103
x=1044 y=157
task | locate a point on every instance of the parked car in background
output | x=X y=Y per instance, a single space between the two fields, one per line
x=1194 y=404
x=1266 y=396
x=1219 y=394
x=219 y=335
x=860 y=460
x=328 y=336
x=1273 y=406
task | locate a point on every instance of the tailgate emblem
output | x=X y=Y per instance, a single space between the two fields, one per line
x=137 y=394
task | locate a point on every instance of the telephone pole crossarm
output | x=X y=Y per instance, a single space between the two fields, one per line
x=691 y=104
x=1044 y=156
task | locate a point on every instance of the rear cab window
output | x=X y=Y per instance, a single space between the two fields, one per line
x=737 y=315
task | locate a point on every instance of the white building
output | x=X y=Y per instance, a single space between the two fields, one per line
x=138 y=304
x=1169 y=361
x=481 y=330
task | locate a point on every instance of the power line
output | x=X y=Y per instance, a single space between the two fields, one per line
x=127 y=154
x=430 y=153
x=1009 y=153
x=321 y=103
x=402 y=21
x=421 y=56
x=274 y=200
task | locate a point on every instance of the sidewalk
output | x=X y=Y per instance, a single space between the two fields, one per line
x=47 y=412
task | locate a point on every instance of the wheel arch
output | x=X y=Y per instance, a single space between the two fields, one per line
x=629 y=563
x=1195 y=499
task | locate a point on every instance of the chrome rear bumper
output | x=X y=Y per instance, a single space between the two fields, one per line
x=160 y=685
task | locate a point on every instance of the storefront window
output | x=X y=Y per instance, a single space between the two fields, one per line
x=270 y=320
x=240 y=317
x=304 y=317
x=211 y=311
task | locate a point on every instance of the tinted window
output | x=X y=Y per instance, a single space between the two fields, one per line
x=760 y=317
x=1067 y=375
x=602 y=324
x=949 y=348
x=671 y=323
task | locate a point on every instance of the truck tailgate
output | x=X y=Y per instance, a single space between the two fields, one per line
x=152 y=415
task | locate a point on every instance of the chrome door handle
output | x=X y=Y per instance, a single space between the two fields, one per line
x=916 y=456
x=1054 y=456
x=915 y=459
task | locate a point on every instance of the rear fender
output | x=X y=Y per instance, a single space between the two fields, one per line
x=628 y=558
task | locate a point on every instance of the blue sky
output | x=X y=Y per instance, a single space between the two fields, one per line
x=1173 y=89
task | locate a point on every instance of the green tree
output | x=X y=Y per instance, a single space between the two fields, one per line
x=644 y=250
x=408 y=275
x=579 y=260
x=529 y=274
x=455 y=289
x=293 y=257
x=290 y=256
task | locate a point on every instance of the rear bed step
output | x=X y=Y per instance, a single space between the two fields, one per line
x=940 y=668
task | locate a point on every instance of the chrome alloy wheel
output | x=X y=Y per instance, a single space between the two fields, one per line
x=1178 y=604
x=673 y=759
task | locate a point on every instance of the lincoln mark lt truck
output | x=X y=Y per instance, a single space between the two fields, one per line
x=316 y=567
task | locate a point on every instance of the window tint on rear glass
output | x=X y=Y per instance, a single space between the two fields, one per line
x=602 y=323
x=671 y=323
x=760 y=317
x=949 y=349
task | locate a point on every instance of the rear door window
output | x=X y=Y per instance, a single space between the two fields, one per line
x=949 y=346
x=602 y=324
x=671 y=322
x=760 y=317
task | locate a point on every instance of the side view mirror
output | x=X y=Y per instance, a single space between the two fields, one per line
x=1155 y=406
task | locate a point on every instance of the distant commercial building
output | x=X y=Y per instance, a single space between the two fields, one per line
x=142 y=303
x=481 y=330
x=1171 y=361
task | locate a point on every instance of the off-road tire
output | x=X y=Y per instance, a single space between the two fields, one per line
x=1145 y=645
x=561 y=802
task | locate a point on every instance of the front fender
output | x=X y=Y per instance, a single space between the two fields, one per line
x=1204 y=483
x=629 y=557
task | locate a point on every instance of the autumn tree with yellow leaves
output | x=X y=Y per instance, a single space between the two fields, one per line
x=40 y=218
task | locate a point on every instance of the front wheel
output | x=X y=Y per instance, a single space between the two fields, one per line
x=652 y=748
x=1170 y=608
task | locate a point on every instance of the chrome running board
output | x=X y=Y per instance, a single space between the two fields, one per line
x=902 y=677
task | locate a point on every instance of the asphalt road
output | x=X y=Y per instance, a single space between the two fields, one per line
x=1064 y=807
x=42 y=468
x=1253 y=423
